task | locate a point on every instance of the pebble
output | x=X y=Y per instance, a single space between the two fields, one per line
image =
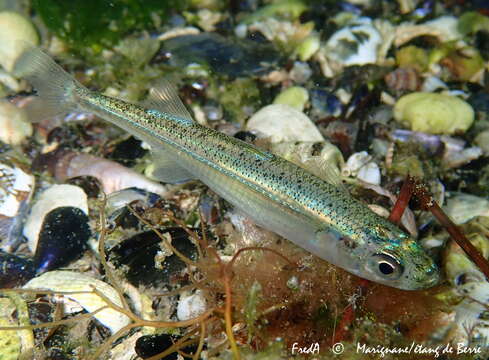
x=283 y=123
x=14 y=123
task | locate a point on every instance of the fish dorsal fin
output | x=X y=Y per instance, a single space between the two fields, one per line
x=164 y=98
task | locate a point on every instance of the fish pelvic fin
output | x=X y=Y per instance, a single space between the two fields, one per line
x=54 y=86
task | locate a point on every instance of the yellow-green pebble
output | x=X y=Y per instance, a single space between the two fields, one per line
x=294 y=96
x=10 y=344
x=434 y=113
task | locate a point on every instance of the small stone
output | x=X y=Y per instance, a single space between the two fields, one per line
x=434 y=113
x=14 y=124
x=16 y=32
x=294 y=96
x=283 y=123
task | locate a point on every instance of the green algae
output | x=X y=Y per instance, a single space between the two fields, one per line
x=95 y=24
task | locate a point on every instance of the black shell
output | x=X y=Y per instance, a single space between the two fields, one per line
x=150 y=345
x=63 y=238
x=138 y=255
x=15 y=270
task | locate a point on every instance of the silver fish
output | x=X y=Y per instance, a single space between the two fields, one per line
x=278 y=195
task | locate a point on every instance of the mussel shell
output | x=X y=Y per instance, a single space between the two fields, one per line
x=63 y=238
x=127 y=152
x=138 y=255
x=150 y=345
x=15 y=270
x=223 y=56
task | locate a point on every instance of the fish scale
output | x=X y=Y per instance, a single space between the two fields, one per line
x=277 y=194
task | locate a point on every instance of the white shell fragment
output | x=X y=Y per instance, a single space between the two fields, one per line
x=16 y=187
x=464 y=207
x=16 y=32
x=370 y=173
x=443 y=28
x=52 y=198
x=355 y=44
x=14 y=125
x=191 y=306
x=73 y=281
x=283 y=123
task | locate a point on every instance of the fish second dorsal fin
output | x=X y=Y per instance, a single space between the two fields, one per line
x=164 y=98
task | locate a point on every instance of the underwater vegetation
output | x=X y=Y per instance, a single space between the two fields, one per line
x=100 y=259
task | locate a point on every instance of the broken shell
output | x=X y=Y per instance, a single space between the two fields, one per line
x=434 y=113
x=444 y=29
x=403 y=79
x=191 y=306
x=369 y=173
x=464 y=207
x=355 y=44
x=283 y=123
x=148 y=346
x=14 y=124
x=323 y=159
x=294 y=96
x=146 y=260
x=354 y=163
x=69 y=281
x=453 y=159
x=15 y=192
x=111 y=175
x=16 y=32
x=54 y=197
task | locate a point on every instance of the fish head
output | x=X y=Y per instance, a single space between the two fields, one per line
x=395 y=259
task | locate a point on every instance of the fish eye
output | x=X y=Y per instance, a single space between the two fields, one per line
x=386 y=266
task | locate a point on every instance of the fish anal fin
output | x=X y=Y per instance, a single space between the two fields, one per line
x=167 y=170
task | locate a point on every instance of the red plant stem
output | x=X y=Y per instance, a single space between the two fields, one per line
x=402 y=201
x=343 y=326
x=454 y=231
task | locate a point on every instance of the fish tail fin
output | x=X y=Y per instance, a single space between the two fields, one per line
x=54 y=86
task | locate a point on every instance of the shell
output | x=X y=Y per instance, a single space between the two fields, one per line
x=16 y=191
x=355 y=44
x=403 y=79
x=16 y=32
x=444 y=29
x=73 y=281
x=191 y=306
x=434 y=113
x=63 y=238
x=470 y=324
x=14 y=124
x=54 y=197
x=283 y=123
x=354 y=163
x=15 y=270
x=323 y=159
x=464 y=207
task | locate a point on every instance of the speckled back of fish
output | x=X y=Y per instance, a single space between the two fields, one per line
x=275 y=193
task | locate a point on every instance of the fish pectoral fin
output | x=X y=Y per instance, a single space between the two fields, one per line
x=164 y=98
x=167 y=170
